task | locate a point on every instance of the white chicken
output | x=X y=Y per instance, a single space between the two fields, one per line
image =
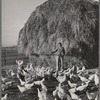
x=54 y=93
x=5 y=97
x=29 y=86
x=61 y=92
x=43 y=85
x=40 y=96
x=97 y=97
x=25 y=73
x=83 y=69
x=73 y=68
x=82 y=87
x=29 y=67
x=77 y=69
x=40 y=72
x=9 y=83
x=22 y=88
x=40 y=82
x=68 y=72
x=83 y=79
x=3 y=79
x=49 y=71
x=72 y=84
x=72 y=90
x=22 y=82
x=62 y=79
x=12 y=73
x=8 y=72
x=96 y=79
x=37 y=82
x=43 y=95
x=68 y=97
x=91 y=96
x=91 y=77
x=3 y=87
x=74 y=96
x=19 y=62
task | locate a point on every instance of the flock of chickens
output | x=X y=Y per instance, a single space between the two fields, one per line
x=73 y=83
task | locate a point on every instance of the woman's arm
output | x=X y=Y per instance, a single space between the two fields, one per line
x=63 y=50
x=54 y=51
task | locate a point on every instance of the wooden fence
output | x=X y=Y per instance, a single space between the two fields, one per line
x=9 y=57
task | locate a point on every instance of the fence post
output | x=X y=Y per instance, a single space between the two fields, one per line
x=4 y=57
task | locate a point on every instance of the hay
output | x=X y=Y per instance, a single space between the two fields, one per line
x=69 y=21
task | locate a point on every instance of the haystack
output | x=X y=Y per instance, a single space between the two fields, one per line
x=74 y=23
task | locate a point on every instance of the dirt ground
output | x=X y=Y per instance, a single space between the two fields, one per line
x=15 y=94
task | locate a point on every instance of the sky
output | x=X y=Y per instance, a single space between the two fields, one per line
x=14 y=15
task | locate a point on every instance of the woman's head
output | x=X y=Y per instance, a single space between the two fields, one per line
x=60 y=44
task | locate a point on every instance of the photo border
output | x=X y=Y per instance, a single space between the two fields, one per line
x=1 y=43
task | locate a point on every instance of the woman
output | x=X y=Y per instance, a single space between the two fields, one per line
x=60 y=52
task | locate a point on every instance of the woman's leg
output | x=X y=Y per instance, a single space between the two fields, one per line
x=56 y=57
x=62 y=62
x=59 y=63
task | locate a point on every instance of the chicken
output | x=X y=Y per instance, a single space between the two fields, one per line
x=82 y=70
x=12 y=73
x=43 y=85
x=43 y=95
x=72 y=84
x=29 y=69
x=37 y=82
x=97 y=97
x=72 y=90
x=3 y=87
x=73 y=68
x=96 y=79
x=5 y=97
x=55 y=92
x=9 y=83
x=29 y=86
x=61 y=92
x=22 y=88
x=83 y=79
x=91 y=77
x=77 y=69
x=3 y=79
x=68 y=72
x=68 y=97
x=49 y=71
x=25 y=73
x=40 y=96
x=82 y=87
x=62 y=79
x=91 y=96
x=74 y=96
x=22 y=82
x=20 y=62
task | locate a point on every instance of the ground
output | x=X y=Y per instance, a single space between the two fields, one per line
x=15 y=94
